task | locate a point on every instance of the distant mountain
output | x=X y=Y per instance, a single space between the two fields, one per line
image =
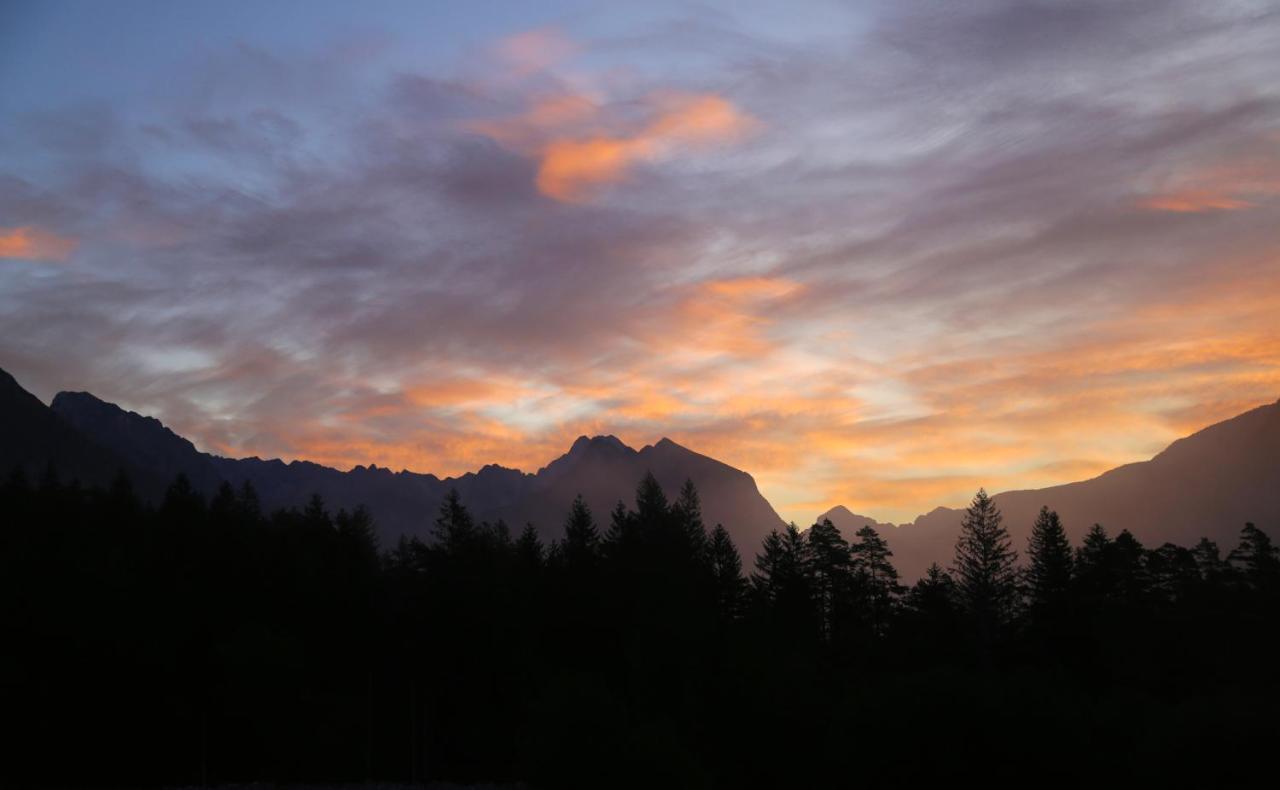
x=849 y=522
x=100 y=436
x=33 y=439
x=1205 y=485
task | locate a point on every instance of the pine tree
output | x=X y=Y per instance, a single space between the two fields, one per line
x=1257 y=559
x=726 y=571
x=357 y=533
x=314 y=515
x=687 y=511
x=652 y=509
x=1128 y=563
x=529 y=549
x=829 y=570
x=618 y=538
x=1212 y=568
x=1093 y=571
x=986 y=576
x=581 y=538
x=1049 y=573
x=782 y=565
x=934 y=595
x=250 y=504
x=455 y=529
x=224 y=507
x=877 y=579
x=182 y=504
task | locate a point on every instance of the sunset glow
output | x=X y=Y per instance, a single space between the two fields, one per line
x=870 y=265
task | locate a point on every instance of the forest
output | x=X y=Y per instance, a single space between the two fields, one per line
x=202 y=641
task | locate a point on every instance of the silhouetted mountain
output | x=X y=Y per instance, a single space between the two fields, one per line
x=1205 y=485
x=602 y=469
x=849 y=522
x=141 y=441
x=34 y=438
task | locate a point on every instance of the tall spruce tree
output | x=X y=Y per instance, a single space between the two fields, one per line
x=985 y=572
x=652 y=508
x=581 y=537
x=455 y=529
x=876 y=578
x=1049 y=570
x=687 y=512
x=726 y=573
x=781 y=577
x=829 y=571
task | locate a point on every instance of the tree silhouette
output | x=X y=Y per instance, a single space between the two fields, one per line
x=984 y=568
x=828 y=570
x=529 y=547
x=581 y=538
x=1257 y=559
x=455 y=529
x=726 y=571
x=1050 y=562
x=687 y=511
x=282 y=648
x=877 y=579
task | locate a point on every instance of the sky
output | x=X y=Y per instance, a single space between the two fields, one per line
x=876 y=254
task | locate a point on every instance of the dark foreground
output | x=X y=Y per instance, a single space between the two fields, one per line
x=205 y=643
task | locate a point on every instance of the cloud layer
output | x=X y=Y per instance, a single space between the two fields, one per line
x=934 y=247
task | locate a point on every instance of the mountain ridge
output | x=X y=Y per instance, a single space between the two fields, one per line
x=1205 y=484
x=603 y=469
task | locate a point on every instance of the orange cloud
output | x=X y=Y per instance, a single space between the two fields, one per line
x=579 y=149
x=34 y=244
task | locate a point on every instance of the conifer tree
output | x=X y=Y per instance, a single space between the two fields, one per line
x=1212 y=568
x=687 y=511
x=455 y=529
x=315 y=515
x=618 y=538
x=876 y=577
x=986 y=577
x=1128 y=565
x=726 y=571
x=829 y=570
x=529 y=550
x=182 y=504
x=1257 y=559
x=934 y=595
x=782 y=565
x=357 y=534
x=652 y=509
x=1049 y=572
x=581 y=538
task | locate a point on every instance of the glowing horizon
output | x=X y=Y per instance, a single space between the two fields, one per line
x=875 y=257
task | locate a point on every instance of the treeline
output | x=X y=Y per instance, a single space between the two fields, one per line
x=205 y=641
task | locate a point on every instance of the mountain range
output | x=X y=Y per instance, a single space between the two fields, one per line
x=90 y=439
x=1205 y=485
